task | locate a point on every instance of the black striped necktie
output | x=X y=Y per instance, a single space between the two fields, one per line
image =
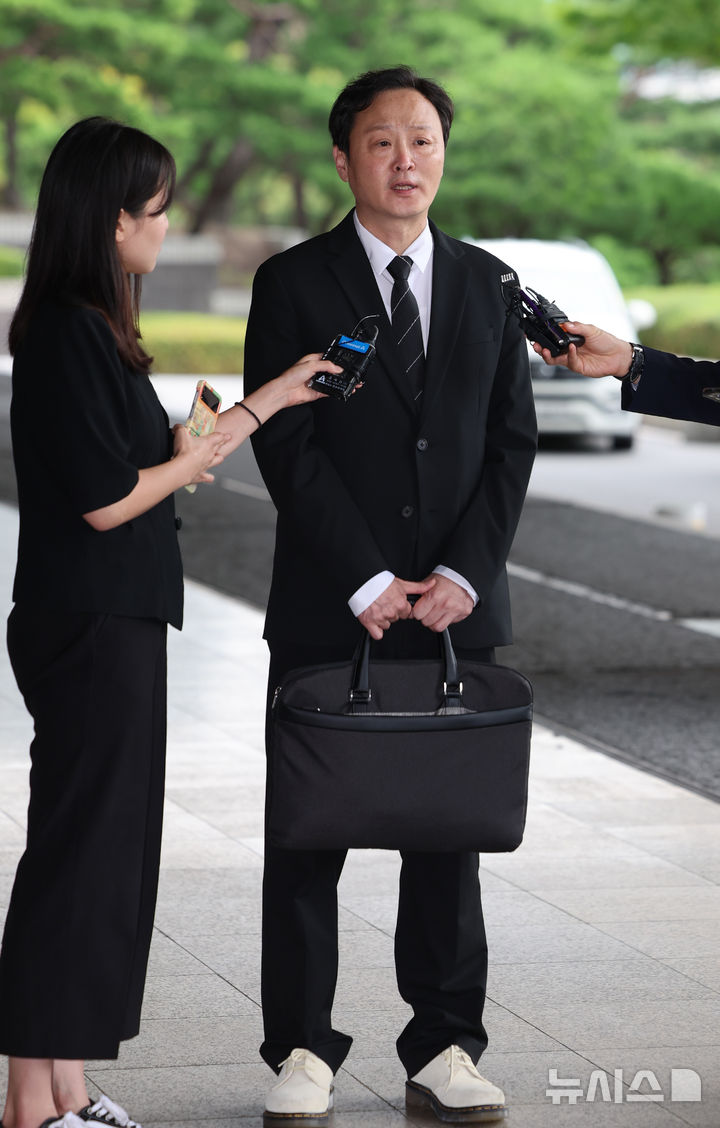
x=405 y=317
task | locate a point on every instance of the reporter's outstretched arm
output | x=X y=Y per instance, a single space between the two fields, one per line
x=286 y=390
x=601 y=355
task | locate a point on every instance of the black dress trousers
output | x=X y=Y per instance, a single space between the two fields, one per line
x=440 y=945
x=78 y=929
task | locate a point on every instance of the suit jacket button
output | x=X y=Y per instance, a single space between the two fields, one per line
x=407 y=511
x=178 y=523
x=422 y=444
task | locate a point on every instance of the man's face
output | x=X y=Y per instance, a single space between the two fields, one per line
x=395 y=161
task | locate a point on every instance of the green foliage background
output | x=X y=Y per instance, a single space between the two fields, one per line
x=549 y=138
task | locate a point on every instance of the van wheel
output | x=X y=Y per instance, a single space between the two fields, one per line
x=623 y=442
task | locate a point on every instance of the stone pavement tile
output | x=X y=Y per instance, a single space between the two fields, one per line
x=200 y=1093
x=12 y=835
x=522 y=1075
x=705 y=971
x=383 y=1075
x=601 y=905
x=556 y=756
x=587 y=1115
x=584 y=787
x=379 y=911
x=574 y=940
x=186 y=732
x=203 y=851
x=215 y=705
x=504 y=909
x=373 y=1034
x=640 y=810
x=553 y=833
x=369 y=989
x=169 y=958
x=640 y=870
x=369 y=948
x=6 y=884
x=222 y=761
x=526 y=1077
x=248 y=983
x=251 y=730
x=662 y=1061
x=192 y=997
x=196 y=1122
x=197 y=666
x=513 y=1033
x=15 y=739
x=240 y=815
x=349 y=1118
x=189 y=836
x=9 y=858
x=516 y=986
x=666 y=940
x=666 y=840
x=223 y=951
x=638 y=1021
x=179 y=1043
x=207 y=900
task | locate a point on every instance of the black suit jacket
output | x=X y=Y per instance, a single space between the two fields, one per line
x=373 y=484
x=672 y=386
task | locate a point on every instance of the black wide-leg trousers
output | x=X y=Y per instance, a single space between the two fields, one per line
x=78 y=928
x=440 y=945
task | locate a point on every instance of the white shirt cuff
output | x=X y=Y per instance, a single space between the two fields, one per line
x=442 y=570
x=368 y=593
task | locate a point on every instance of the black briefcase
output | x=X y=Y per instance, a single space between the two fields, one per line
x=400 y=755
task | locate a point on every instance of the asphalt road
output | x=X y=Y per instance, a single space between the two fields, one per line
x=601 y=604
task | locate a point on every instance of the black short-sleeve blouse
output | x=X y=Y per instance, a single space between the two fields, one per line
x=83 y=424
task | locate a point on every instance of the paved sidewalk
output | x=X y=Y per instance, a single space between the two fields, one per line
x=603 y=927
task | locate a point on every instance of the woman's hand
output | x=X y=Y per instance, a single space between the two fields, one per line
x=294 y=382
x=601 y=355
x=284 y=391
x=198 y=452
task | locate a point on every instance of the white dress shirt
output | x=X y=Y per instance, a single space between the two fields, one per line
x=420 y=282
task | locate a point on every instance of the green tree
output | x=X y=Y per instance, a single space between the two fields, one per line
x=60 y=59
x=655 y=28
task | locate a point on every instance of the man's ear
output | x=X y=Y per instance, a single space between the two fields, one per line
x=341 y=163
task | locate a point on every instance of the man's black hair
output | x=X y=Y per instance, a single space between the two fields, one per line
x=359 y=94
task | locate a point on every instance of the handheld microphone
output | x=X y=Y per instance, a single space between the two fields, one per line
x=354 y=354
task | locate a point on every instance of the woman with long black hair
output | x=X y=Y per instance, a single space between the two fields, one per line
x=98 y=578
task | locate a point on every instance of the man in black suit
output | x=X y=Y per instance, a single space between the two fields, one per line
x=414 y=487
x=654 y=382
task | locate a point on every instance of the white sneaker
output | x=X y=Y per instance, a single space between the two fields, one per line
x=452 y=1087
x=69 y=1120
x=104 y=1111
x=303 y=1090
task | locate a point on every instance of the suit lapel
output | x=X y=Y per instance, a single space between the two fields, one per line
x=451 y=279
x=354 y=276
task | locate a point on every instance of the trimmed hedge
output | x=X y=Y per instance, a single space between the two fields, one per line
x=200 y=343
x=12 y=262
x=688 y=321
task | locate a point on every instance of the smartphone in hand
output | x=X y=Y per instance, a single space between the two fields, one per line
x=203 y=414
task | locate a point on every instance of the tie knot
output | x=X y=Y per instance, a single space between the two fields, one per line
x=400 y=267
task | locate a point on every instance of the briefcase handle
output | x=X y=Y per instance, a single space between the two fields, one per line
x=360 y=694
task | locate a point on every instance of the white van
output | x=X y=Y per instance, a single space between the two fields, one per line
x=581 y=282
